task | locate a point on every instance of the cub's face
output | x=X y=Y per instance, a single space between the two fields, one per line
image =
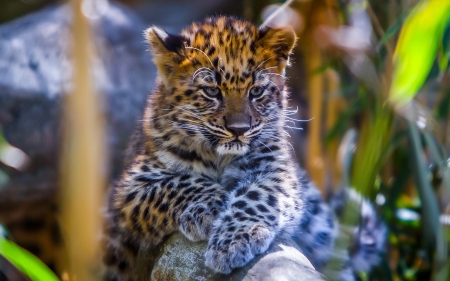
x=224 y=78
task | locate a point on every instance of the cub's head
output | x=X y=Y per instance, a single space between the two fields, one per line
x=224 y=79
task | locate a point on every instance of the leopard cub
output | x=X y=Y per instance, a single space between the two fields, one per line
x=210 y=157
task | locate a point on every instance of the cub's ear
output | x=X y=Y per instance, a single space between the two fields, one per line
x=279 y=39
x=167 y=50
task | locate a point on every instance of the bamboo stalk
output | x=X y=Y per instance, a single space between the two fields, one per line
x=315 y=162
x=82 y=162
x=318 y=14
x=335 y=105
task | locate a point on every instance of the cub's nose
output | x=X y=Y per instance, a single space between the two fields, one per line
x=238 y=129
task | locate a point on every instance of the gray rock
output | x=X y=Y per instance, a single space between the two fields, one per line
x=35 y=74
x=179 y=259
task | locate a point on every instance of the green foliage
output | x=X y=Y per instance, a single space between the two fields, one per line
x=4 y=178
x=27 y=263
x=416 y=48
x=399 y=156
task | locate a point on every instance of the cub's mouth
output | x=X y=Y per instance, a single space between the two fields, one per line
x=235 y=146
x=238 y=140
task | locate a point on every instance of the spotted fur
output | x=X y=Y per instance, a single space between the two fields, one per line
x=210 y=157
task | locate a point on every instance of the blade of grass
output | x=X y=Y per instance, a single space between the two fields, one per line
x=386 y=268
x=4 y=179
x=394 y=28
x=393 y=143
x=439 y=159
x=372 y=143
x=433 y=231
x=441 y=269
x=348 y=221
x=350 y=213
x=343 y=121
x=27 y=263
x=346 y=151
x=396 y=190
x=443 y=109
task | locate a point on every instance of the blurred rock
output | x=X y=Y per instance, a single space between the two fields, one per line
x=35 y=73
x=173 y=15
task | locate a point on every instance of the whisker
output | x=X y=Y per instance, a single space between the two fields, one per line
x=300 y=120
x=157 y=117
x=204 y=68
x=264 y=145
x=263 y=63
x=293 y=150
x=290 y=112
x=197 y=73
x=197 y=49
x=270 y=67
x=193 y=121
x=188 y=112
x=295 y=128
x=271 y=73
x=187 y=127
x=223 y=72
x=283 y=132
x=207 y=77
x=274 y=84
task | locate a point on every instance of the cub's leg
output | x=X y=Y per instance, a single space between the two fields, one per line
x=263 y=203
x=146 y=207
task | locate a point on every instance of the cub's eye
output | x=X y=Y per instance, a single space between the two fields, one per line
x=211 y=91
x=256 y=91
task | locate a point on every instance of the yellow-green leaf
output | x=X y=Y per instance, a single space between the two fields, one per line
x=416 y=48
x=28 y=264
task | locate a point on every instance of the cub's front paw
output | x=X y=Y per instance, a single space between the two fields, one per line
x=227 y=250
x=196 y=222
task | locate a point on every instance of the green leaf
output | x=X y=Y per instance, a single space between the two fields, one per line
x=417 y=47
x=341 y=124
x=442 y=110
x=433 y=231
x=28 y=264
x=396 y=189
x=4 y=179
x=346 y=148
x=444 y=51
x=439 y=159
x=372 y=142
x=393 y=29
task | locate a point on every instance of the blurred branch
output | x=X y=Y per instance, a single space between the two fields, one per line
x=335 y=105
x=318 y=14
x=378 y=28
x=82 y=173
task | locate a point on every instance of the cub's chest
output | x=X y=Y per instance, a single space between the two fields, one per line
x=213 y=166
